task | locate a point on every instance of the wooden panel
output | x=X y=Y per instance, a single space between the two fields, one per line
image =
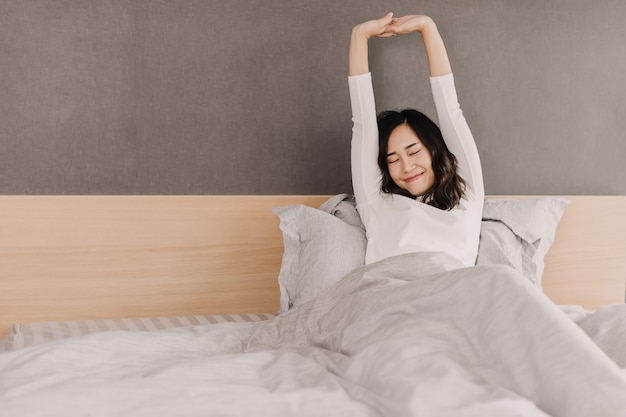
x=85 y=257
x=70 y=257
x=587 y=263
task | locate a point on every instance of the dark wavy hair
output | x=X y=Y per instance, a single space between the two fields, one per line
x=449 y=187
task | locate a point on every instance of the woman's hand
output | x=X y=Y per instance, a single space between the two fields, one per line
x=376 y=27
x=409 y=24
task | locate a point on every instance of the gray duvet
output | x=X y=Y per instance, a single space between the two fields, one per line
x=413 y=335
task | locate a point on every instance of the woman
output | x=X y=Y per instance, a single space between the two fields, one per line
x=418 y=188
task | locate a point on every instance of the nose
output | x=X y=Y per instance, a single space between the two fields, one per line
x=407 y=164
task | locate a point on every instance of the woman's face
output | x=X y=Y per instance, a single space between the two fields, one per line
x=409 y=162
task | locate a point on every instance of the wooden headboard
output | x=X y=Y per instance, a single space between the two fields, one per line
x=87 y=257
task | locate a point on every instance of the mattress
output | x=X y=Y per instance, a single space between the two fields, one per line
x=31 y=334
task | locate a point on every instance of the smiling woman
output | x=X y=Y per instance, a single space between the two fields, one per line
x=419 y=187
x=413 y=134
x=408 y=161
x=410 y=164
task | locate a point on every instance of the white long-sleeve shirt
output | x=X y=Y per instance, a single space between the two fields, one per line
x=396 y=224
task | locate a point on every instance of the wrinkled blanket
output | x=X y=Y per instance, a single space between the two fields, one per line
x=413 y=335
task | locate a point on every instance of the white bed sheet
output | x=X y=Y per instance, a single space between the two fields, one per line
x=411 y=335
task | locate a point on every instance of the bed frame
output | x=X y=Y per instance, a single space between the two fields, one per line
x=89 y=257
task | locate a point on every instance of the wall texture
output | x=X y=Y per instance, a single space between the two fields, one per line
x=251 y=97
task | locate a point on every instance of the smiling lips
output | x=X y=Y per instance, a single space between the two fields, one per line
x=414 y=177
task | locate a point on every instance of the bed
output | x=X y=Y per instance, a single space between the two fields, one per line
x=180 y=276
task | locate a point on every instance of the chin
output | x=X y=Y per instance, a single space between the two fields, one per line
x=417 y=193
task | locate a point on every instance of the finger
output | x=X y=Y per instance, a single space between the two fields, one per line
x=397 y=28
x=387 y=19
x=392 y=29
x=383 y=23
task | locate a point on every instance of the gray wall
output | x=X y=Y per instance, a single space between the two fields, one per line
x=250 y=97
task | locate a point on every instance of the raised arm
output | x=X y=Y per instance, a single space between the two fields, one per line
x=358 y=59
x=364 y=148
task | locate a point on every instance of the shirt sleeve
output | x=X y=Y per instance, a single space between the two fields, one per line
x=457 y=134
x=366 y=175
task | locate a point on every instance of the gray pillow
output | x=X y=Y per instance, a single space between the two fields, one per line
x=320 y=248
x=519 y=233
x=323 y=245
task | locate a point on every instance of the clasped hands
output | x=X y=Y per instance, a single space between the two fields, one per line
x=388 y=25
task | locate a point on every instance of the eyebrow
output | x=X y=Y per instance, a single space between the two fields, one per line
x=406 y=147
